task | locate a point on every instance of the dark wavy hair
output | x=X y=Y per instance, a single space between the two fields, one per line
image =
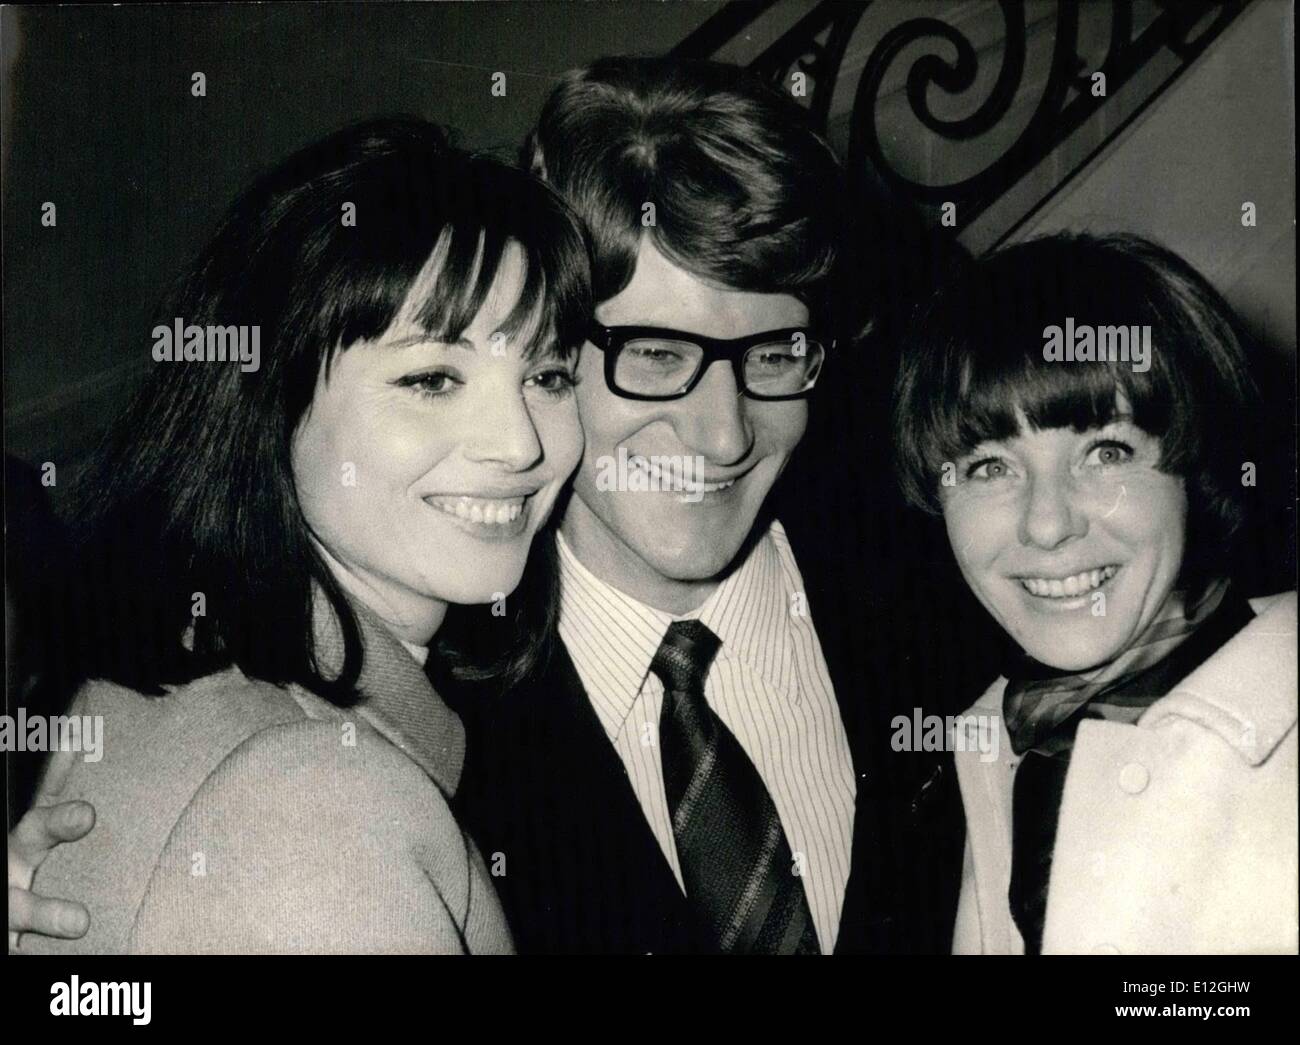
x=974 y=358
x=192 y=489
x=744 y=190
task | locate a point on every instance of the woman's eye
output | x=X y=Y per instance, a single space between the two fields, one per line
x=987 y=469
x=1110 y=452
x=432 y=384
x=555 y=382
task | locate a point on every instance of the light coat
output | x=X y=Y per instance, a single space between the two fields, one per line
x=1177 y=835
x=234 y=816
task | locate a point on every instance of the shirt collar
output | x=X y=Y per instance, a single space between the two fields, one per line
x=613 y=637
x=750 y=612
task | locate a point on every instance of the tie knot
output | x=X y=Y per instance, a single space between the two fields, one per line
x=683 y=658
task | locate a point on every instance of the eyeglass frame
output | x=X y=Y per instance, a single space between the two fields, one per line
x=611 y=341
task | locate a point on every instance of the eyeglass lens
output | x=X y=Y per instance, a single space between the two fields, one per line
x=665 y=367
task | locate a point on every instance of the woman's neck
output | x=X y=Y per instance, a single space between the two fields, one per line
x=411 y=617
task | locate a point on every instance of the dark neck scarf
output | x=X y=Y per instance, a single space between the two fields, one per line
x=1043 y=709
x=1039 y=700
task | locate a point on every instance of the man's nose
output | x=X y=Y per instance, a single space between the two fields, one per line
x=503 y=433
x=713 y=420
x=1052 y=514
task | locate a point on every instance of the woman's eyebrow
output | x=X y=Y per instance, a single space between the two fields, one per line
x=985 y=446
x=551 y=351
x=429 y=339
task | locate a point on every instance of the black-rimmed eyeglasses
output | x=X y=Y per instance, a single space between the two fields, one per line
x=660 y=363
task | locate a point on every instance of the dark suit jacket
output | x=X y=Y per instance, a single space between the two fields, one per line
x=544 y=787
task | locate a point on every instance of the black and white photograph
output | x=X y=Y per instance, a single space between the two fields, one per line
x=651 y=479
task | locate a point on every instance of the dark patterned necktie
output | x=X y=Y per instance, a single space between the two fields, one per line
x=735 y=860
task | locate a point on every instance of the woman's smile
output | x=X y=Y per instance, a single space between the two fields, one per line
x=487 y=518
x=1057 y=592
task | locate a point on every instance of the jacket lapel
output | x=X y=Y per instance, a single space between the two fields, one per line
x=544 y=786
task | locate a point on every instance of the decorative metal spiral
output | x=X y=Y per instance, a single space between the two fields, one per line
x=816 y=46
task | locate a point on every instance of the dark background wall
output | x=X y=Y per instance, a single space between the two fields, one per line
x=99 y=119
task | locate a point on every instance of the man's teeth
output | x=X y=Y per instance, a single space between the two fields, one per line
x=1079 y=584
x=487 y=510
x=661 y=480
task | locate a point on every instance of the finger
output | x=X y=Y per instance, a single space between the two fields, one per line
x=29 y=913
x=54 y=776
x=44 y=827
x=69 y=821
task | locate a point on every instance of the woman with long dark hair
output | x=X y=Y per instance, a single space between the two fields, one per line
x=271 y=543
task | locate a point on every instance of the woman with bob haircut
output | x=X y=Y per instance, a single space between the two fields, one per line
x=1143 y=796
x=268 y=554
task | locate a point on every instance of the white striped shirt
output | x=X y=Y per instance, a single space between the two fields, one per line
x=768 y=684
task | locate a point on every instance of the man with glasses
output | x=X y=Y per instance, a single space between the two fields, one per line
x=691 y=770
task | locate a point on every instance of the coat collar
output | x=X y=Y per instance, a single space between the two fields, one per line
x=1246 y=692
x=398 y=699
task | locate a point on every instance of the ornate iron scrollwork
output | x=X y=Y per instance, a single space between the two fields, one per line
x=816 y=45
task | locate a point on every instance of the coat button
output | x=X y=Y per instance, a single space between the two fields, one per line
x=1134 y=778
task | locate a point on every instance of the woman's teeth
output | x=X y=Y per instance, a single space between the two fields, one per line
x=1079 y=584
x=487 y=510
x=661 y=480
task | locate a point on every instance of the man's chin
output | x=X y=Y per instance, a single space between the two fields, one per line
x=701 y=560
x=678 y=542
